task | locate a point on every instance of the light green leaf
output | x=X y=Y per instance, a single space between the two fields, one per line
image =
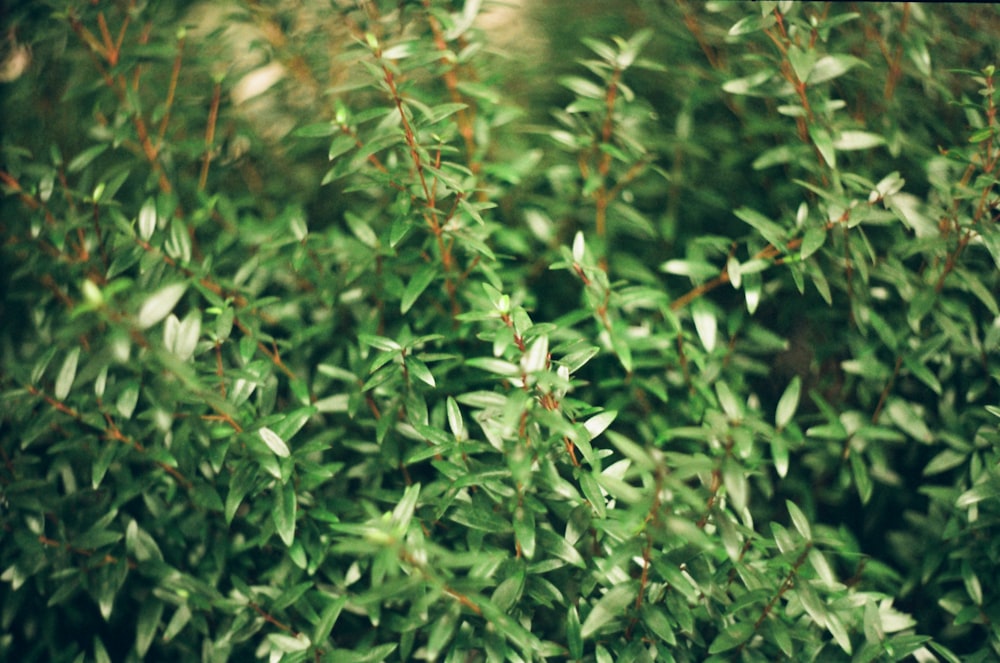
x=705 y=323
x=360 y=228
x=491 y=365
x=160 y=304
x=824 y=143
x=147 y=219
x=752 y=23
x=559 y=547
x=536 y=357
x=839 y=633
x=274 y=442
x=788 y=403
x=698 y=270
x=403 y=511
x=599 y=423
x=731 y=406
x=419 y=370
x=64 y=381
x=799 y=520
x=779 y=454
x=287 y=643
x=857 y=140
x=802 y=61
x=829 y=67
x=987 y=490
x=455 y=421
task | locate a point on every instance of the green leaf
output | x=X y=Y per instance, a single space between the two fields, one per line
x=147 y=219
x=658 y=624
x=274 y=442
x=83 y=159
x=829 y=67
x=240 y=483
x=592 y=491
x=799 y=520
x=455 y=422
x=731 y=406
x=734 y=636
x=802 y=61
x=380 y=342
x=147 y=622
x=284 y=512
x=944 y=461
x=418 y=283
x=752 y=23
x=986 y=490
x=857 y=140
x=403 y=512
x=620 y=345
x=705 y=323
x=599 y=423
x=100 y=653
x=824 y=144
x=140 y=545
x=557 y=546
x=327 y=619
x=922 y=373
x=699 y=270
x=64 y=381
x=361 y=229
x=779 y=454
x=574 y=636
x=610 y=607
x=509 y=592
x=812 y=241
x=491 y=365
x=862 y=479
x=177 y=622
x=318 y=130
x=158 y=305
x=419 y=370
x=972 y=584
x=536 y=356
x=524 y=530
x=839 y=633
x=770 y=230
x=788 y=403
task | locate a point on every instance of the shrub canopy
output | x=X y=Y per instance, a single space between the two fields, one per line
x=337 y=332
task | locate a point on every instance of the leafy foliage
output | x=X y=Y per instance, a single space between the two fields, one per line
x=375 y=361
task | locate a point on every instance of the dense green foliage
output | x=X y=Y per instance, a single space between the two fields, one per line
x=677 y=345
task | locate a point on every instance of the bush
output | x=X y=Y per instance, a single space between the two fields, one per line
x=701 y=366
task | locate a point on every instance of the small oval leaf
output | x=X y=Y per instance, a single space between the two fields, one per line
x=274 y=442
